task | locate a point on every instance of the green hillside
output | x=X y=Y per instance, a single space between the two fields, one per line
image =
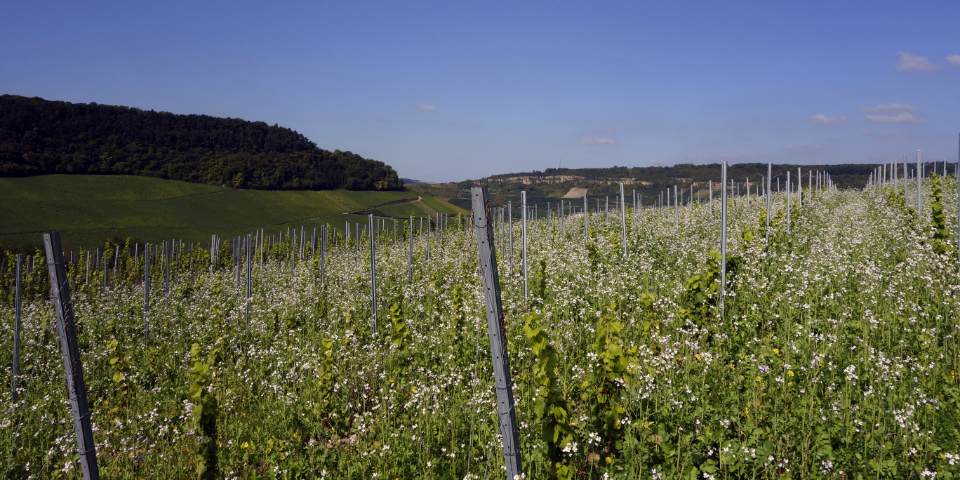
x=90 y=209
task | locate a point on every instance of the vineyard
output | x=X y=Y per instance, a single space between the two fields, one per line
x=834 y=354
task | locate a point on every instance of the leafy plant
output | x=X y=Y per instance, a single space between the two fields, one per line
x=205 y=413
x=400 y=337
x=938 y=217
x=120 y=365
x=605 y=388
x=550 y=409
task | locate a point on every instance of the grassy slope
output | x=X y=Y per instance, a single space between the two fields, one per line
x=88 y=210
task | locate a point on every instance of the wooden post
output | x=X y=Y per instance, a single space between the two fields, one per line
x=73 y=367
x=497 y=333
x=18 y=286
x=373 y=274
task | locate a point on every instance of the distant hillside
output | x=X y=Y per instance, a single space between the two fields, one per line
x=88 y=210
x=683 y=175
x=43 y=137
x=552 y=184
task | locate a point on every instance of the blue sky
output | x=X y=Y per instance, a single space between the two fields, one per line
x=458 y=90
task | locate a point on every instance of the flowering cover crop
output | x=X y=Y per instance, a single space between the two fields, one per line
x=836 y=355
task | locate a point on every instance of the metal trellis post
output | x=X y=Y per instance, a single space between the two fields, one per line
x=497 y=333
x=723 y=237
x=73 y=367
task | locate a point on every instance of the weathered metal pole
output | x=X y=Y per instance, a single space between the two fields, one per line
x=723 y=236
x=676 y=207
x=799 y=188
x=146 y=292
x=411 y=249
x=769 y=184
x=497 y=332
x=919 y=189
x=373 y=273
x=586 y=224
x=323 y=254
x=16 y=325
x=510 y=221
x=523 y=202
x=249 y=275
x=103 y=287
x=906 y=183
x=623 y=221
x=73 y=367
x=166 y=269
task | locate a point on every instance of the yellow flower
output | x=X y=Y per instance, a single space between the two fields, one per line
x=789 y=373
x=776 y=351
x=245 y=445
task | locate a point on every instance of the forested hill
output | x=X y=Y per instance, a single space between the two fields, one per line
x=42 y=137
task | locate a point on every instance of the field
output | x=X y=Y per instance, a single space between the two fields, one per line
x=834 y=356
x=88 y=210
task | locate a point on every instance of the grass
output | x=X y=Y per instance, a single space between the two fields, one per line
x=91 y=209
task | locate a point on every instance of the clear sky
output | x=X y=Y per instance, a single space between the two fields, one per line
x=446 y=91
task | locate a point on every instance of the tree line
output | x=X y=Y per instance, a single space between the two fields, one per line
x=39 y=137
